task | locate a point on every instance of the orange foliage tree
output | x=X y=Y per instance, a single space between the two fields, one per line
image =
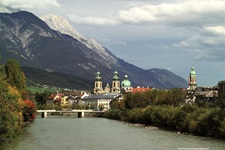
x=29 y=111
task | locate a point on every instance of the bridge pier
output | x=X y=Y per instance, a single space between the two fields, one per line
x=80 y=114
x=44 y=114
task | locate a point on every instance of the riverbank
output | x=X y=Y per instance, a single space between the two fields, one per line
x=190 y=119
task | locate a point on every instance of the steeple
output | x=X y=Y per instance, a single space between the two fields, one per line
x=115 y=83
x=116 y=76
x=98 y=83
x=192 y=79
x=98 y=77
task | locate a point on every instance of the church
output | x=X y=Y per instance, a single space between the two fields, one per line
x=125 y=85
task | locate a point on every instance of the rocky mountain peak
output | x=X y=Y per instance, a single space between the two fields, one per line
x=60 y=24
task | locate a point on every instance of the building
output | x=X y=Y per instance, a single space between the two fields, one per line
x=194 y=93
x=126 y=85
x=141 y=89
x=100 y=102
x=98 y=84
x=192 y=79
x=206 y=93
x=221 y=89
x=54 y=99
x=65 y=98
x=115 y=84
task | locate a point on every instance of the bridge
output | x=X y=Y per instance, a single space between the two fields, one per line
x=80 y=113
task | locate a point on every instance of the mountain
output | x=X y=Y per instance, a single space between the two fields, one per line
x=35 y=76
x=60 y=24
x=56 y=46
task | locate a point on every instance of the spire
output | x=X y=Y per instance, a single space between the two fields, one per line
x=98 y=77
x=116 y=76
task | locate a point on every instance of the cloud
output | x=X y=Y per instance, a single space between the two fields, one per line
x=184 y=12
x=216 y=29
x=91 y=20
x=171 y=13
x=29 y=4
x=207 y=44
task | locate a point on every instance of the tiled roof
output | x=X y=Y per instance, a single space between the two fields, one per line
x=140 y=89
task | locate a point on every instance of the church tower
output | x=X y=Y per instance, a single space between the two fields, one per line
x=98 y=84
x=192 y=79
x=115 y=83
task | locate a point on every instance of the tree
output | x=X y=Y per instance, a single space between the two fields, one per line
x=29 y=111
x=15 y=76
x=11 y=119
x=41 y=98
x=175 y=97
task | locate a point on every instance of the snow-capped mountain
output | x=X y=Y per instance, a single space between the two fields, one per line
x=60 y=24
x=27 y=38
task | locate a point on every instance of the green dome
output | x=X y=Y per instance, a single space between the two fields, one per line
x=192 y=71
x=126 y=82
x=98 y=77
x=116 y=76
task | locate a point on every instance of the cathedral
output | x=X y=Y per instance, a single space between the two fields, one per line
x=116 y=86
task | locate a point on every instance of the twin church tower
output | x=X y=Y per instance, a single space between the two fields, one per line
x=116 y=87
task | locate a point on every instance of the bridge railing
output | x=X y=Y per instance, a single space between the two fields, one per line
x=80 y=113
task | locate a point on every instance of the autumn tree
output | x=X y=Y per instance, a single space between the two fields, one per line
x=15 y=76
x=11 y=106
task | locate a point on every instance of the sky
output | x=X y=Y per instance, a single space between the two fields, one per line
x=167 y=34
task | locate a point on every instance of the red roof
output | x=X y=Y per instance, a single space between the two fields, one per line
x=141 y=89
x=53 y=95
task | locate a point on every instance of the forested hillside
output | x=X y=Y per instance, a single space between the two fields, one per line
x=37 y=76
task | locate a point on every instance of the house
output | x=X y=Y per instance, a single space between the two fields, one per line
x=100 y=102
x=65 y=98
x=206 y=93
x=54 y=99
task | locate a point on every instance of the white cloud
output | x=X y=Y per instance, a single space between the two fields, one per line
x=91 y=20
x=216 y=29
x=29 y=4
x=185 y=12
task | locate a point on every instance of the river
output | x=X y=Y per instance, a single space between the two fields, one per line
x=60 y=133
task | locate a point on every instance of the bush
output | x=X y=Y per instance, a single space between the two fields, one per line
x=29 y=111
x=113 y=114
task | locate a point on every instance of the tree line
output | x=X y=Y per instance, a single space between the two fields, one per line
x=167 y=109
x=16 y=109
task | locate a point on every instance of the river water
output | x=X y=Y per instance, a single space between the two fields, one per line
x=60 y=133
